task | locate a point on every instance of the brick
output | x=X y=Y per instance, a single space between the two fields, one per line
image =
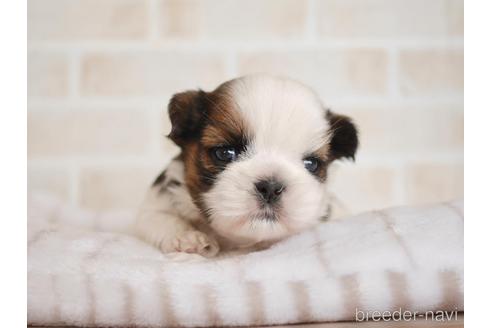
x=87 y=133
x=149 y=73
x=332 y=73
x=360 y=189
x=233 y=20
x=114 y=188
x=399 y=131
x=52 y=180
x=47 y=75
x=428 y=183
x=431 y=73
x=86 y=19
x=390 y=18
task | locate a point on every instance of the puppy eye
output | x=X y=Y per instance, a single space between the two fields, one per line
x=311 y=164
x=225 y=154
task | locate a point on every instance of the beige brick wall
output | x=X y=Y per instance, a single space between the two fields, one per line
x=100 y=74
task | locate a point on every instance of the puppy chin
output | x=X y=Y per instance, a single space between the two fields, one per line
x=236 y=212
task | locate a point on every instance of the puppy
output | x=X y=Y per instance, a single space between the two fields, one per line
x=252 y=168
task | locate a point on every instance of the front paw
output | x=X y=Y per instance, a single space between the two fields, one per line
x=196 y=242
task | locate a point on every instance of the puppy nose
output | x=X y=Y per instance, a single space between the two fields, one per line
x=269 y=190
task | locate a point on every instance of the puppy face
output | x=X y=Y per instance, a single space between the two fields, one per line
x=256 y=152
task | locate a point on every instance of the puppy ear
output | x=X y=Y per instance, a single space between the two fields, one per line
x=186 y=111
x=344 y=141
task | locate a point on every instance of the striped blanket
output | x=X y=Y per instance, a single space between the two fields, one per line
x=84 y=270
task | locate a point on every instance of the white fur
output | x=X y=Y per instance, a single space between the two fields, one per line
x=233 y=203
x=281 y=115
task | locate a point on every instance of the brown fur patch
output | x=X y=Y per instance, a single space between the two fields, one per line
x=215 y=122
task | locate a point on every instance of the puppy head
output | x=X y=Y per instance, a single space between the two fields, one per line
x=256 y=152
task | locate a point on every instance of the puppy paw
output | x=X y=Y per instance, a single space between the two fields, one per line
x=196 y=242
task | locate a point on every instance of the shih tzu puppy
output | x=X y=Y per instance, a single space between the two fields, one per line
x=252 y=168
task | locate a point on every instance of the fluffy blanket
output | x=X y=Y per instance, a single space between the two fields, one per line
x=84 y=270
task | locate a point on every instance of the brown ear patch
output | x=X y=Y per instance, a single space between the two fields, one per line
x=187 y=112
x=201 y=121
x=344 y=136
